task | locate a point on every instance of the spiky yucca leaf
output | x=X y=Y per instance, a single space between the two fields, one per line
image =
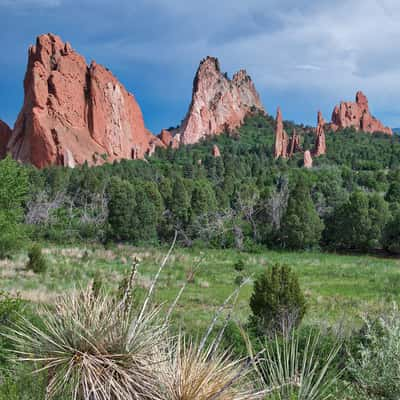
x=93 y=348
x=195 y=373
x=289 y=374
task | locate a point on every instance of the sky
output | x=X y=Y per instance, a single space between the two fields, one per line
x=303 y=55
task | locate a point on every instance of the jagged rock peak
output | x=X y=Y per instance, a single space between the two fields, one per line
x=320 y=141
x=281 y=137
x=357 y=115
x=74 y=113
x=5 y=134
x=218 y=103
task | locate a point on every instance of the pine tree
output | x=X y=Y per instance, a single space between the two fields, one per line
x=277 y=303
x=301 y=225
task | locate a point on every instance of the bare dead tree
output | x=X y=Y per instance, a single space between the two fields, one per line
x=277 y=204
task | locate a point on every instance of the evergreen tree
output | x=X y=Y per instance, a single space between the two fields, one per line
x=277 y=303
x=13 y=193
x=122 y=203
x=301 y=225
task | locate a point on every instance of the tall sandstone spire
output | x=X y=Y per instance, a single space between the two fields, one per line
x=320 y=141
x=357 y=115
x=218 y=103
x=281 y=137
x=74 y=113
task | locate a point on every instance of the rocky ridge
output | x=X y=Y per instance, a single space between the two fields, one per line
x=75 y=113
x=218 y=103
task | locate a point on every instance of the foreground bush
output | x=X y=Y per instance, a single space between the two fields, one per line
x=36 y=260
x=277 y=303
x=376 y=364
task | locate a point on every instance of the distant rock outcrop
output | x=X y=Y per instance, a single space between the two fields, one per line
x=215 y=151
x=356 y=115
x=281 y=137
x=5 y=134
x=320 y=141
x=168 y=139
x=218 y=103
x=308 y=161
x=294 y=144
x=74 y=113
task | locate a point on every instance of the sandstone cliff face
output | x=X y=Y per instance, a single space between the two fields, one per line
x=5 y=134
x=218 y=103
x=281 y=137
x=74 y=113
x=357 y=115
x=320 y=141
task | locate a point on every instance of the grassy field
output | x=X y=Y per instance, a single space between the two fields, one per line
x=339 y=288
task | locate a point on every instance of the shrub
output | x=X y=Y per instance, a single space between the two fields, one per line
x=10 y=310
x=277 y=303
x=239 y=265
x=375 y=365
x=36 y=261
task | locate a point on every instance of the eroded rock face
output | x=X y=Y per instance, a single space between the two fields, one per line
x=320 y=141
x=218 y=103
x=215 y=151
x=168 y=139
x=308 y=161
x=294 y=144
x=357 y=115
x=5 y=134
x=73 y=112
x=281 y=137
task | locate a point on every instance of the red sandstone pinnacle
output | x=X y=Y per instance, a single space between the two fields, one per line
x=74 y=113
x=218 y=103
x=308 y=161
x=215 y=151
x=281 y=137
x=320 y=142
x=168 y=139
x=357 y=115
x=5 y=134
x=294 y=144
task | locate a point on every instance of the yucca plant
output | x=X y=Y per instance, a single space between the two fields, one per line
x=95 y=347
x=288 y=373
x=193 y=372
x=92 y=349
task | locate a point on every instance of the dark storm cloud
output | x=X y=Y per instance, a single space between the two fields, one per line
x=302 y=54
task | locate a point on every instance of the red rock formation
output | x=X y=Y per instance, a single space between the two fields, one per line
x=320 y=142
x=215 y=151
x=5 y=134
x=218 y=103
x=74 y=113
x=281 y=137
x=294 y=144
x=357 y=115
x=308 y=161
x=168 y=139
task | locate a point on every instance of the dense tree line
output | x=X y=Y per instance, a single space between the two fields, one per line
x=350 y=199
